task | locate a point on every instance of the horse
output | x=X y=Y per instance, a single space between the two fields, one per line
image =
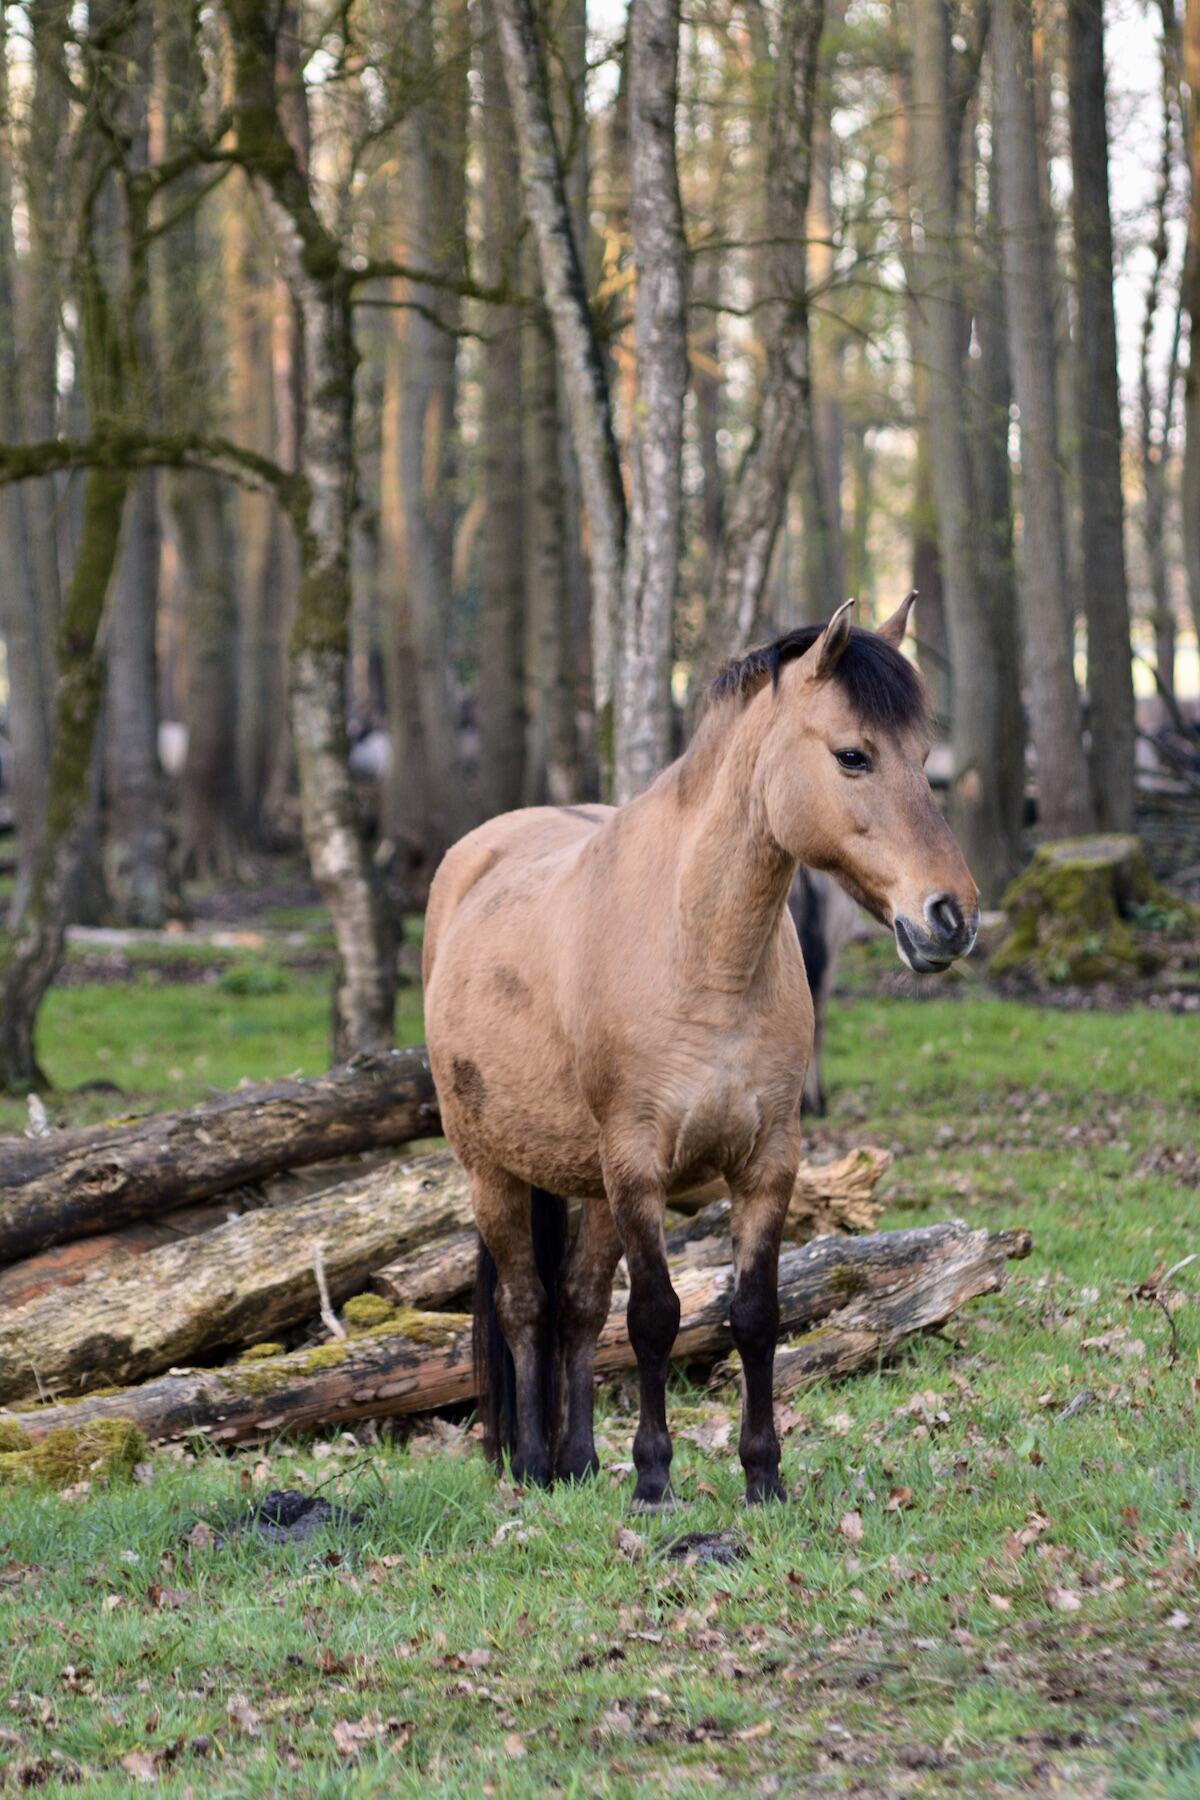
x=826 y=919
x=616 y=1010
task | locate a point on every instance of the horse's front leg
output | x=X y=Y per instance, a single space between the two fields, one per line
x=586 y=1295
x=758 y=1213
x=653 y=1321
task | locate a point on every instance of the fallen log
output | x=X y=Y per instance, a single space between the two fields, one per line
x=66 y=1265
x=70 y=1184
x=831 y=1198
x=432 y=1276
x=924 y=1274
x=237 y=1284
x=828 y=1197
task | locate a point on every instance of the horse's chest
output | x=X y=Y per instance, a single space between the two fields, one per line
x=716 y=1131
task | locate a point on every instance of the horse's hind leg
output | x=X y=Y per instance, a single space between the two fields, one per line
x=586 y=1294
x=653 y=1319
x=503 y=1215
x=759 y=1210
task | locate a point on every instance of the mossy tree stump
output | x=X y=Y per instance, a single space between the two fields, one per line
x=1079 y=913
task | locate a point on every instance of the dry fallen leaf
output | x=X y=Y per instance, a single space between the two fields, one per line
x=243 y=1715
x=630 y=1544
x=999 y=1603
x=1065 y=1599
x=898 y=1498
x=141 y=1764
x=851 y=1527
x=514 y=1746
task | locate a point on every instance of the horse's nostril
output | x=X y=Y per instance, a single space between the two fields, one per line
x=944 y=915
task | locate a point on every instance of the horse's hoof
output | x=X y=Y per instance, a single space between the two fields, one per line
x=666 y=1503
x=576 y=1477
x=758 y=1493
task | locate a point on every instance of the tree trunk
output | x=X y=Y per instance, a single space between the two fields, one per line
x=21 y=615
x=754 y=508
x=238 y=1284
x=209 y=823
x=258 y=530
x=1097 y=402
x=980 y=799
x=74 y=1183
x=500 y=688
x=581 y=365
x=135 y=827
x=134 y=845
x=434 y=170
x=1157 y=409
x=364 y=1000
x=642 y=735
x=30 y=956
x=864 y=1295
x=553 y=766
x=989 y=391
x=29 y=595
x=1190 y=498
x=1064 y=804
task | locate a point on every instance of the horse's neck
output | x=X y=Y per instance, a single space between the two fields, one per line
x=733 y=877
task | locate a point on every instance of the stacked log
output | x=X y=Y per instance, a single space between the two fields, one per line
x=239 y=1228
x=862 y=1294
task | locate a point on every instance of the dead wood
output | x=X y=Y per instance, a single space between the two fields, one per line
x=237 y=1284
x=828 y=1197
x=71 y=1184
x=870 y=1290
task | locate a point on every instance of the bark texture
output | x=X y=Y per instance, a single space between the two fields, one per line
x=365 y=985
x=581 y=365
x=1097 y=405
x=1191 y=391
x=73 y=1183
x=501 y=680
x=754 y=508
x=859 y=1291
x=642 y=736
x=434 y=224
x=237 y=1284
x=981 y=802
x=1064 y=801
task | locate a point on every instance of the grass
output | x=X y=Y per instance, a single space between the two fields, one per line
x=970 y=1593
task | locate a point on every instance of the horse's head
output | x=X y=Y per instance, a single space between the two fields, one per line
x=846 y=791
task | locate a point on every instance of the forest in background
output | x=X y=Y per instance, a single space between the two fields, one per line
x=405 y=408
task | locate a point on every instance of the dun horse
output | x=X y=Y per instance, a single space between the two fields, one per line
x=616 y=1010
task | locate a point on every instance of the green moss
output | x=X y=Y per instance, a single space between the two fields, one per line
x=104 y=1449
x=1074 y=913
x=12 y=1436
x=261 y=1352
x=847 y=1281
x=365 y=1310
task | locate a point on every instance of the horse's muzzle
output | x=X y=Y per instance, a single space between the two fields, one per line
x=947 y=933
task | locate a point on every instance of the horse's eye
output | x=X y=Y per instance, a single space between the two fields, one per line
x=856 y=761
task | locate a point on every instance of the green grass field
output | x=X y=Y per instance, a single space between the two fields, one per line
x=969 y=1593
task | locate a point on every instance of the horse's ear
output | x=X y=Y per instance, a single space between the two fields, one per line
x=892 y=630
x=832 y=641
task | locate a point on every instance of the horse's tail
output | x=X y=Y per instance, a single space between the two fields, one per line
x=495 y=1373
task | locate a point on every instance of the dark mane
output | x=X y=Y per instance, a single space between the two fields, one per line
x=882 y=686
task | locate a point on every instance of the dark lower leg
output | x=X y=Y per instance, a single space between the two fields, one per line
x=653 y=1323
x=754 y=1322
x=521 y=1304
x=586 y=1294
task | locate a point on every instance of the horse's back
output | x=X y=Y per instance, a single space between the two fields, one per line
x=524 y=849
